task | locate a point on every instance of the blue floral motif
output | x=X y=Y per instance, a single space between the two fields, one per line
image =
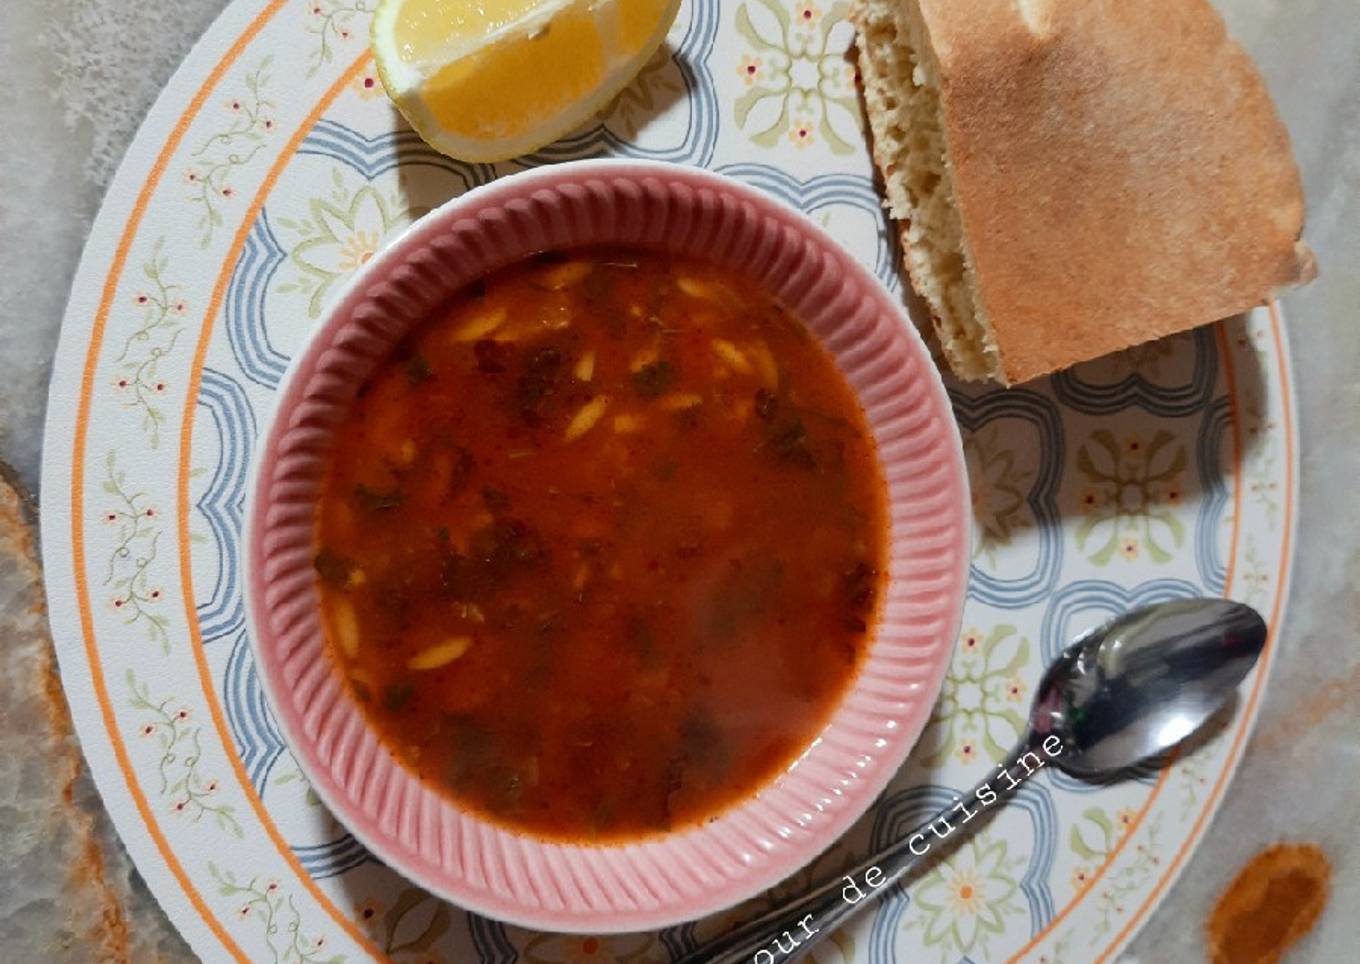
x=1138 y=385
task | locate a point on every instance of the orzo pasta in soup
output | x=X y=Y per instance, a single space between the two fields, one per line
x=599 y=545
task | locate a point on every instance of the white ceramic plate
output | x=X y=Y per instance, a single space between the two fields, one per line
x=271 y=167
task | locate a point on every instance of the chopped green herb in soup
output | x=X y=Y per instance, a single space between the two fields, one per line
x=600 y=545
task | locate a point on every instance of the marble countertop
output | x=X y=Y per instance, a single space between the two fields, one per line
x=77 y=77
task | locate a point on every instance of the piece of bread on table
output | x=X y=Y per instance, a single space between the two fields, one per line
x=1073 y=177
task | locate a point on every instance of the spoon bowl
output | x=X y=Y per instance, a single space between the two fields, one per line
x=1139 y=684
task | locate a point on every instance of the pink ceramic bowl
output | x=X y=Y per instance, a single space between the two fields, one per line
x=662 y=880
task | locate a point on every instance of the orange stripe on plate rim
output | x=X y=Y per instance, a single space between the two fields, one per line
x=186 y=573
x=1282 y=583
x=1230 y=383
x=82 y=429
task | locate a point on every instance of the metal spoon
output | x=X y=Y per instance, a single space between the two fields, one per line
x=1122 y=693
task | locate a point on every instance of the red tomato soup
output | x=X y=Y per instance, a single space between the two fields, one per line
x=599 y=546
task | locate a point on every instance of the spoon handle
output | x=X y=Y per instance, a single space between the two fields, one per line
x=793 y=928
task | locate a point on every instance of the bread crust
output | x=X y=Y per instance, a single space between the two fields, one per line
x=1120 y=170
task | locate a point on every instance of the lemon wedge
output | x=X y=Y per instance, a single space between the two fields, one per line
x=485 y=80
